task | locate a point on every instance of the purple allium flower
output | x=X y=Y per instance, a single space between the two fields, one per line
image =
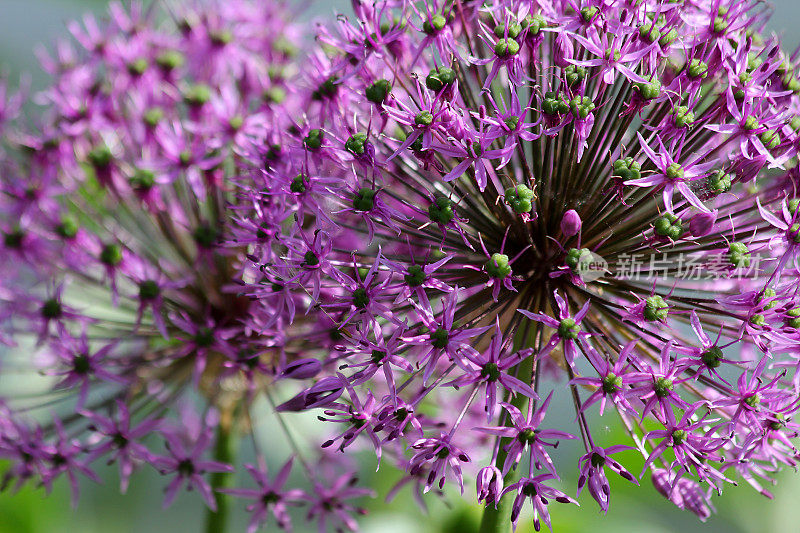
x=270 y=496
x=524 y=433
x=380 y=228
x=540 y=495
x=329 y=504
x=593 y=475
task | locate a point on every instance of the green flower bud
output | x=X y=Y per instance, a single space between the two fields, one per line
x=13 y=239
x=434 y=25
x=506 y=48
x=313 y=140
x=197 y=95
x=437 y=80
x=170 y=59
x=534 y=24
x=575 y=257
x=497 y=266
x=490 y=372
x=668 y=38
x=588 y=13
x=440 y=338
x=712 y=357
x=142 y=180
x=138 y=66
x=655 y=308
x=574 y=74
x=612 y=54
x=149 y=290
x=612 y=383
x=356 y=144
x=767 y=294
x=423 y=118
x=662 y=387
x=568 y=329
x=678 y=436
x=52 y=309
x=298 y=185
x=511 y=122
x=512 y=29
x=364 y=199
x=719 y=182
x=649 y=32
x=581 y=106
x=627 y=169
x=205 y=235
x=220 y=37
x=274 y=95
x=476 y=148
x=67 y=228
x=111 y=255
x=519 y=198
x=310 y=259
x=648 y=91
x=793 y=317
x=360 y=297
x=327 y=89
x=738 y=255
x=236 y=122
x=668 y=226
x=153 y=116
x=682 y=116
x=696 y=69
x=771 y=139
x=416 y=276
x=378 y=91
x=100 y=156
x=674 y=172
x=185 y=157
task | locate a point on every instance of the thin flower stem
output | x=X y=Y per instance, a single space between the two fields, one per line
x=498 y=519
x=224 y=452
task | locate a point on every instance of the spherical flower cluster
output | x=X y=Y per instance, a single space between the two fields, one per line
x=487 y=199
x=123 y=232
x=452 y=212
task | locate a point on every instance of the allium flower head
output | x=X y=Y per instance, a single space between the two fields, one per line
x=550 y=188
x=457 y=206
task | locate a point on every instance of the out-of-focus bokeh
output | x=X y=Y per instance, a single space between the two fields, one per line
x=28 y=24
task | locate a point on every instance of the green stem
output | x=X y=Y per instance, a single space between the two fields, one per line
x=224 y=452
x=498 y=520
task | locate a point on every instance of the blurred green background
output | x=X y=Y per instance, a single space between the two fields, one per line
x=24 y=24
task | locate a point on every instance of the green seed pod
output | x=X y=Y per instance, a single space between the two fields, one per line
x=568 y=329
x=655 y=309
x=648 y=91
x=438 y=80
x=506 y=48
x=434 y=25
x=364 y=199
x=497 y=266
x=356 y=144
x=378 y=91
x=512 y=29
x=313 y=141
